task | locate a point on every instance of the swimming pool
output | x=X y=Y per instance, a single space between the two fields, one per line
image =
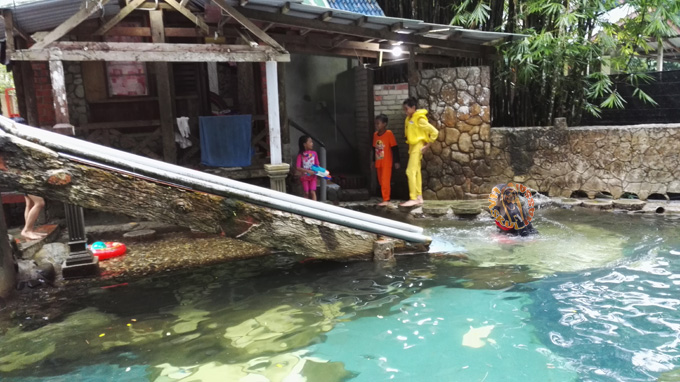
x=593 y=298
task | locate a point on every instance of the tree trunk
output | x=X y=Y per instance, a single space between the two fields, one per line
x=34 y=169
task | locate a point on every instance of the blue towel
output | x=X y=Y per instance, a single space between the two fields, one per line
x=226 y=141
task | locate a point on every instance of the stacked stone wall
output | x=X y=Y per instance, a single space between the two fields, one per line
x=470 y=157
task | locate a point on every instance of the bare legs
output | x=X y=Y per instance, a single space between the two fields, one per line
x=34 y=204
x=311 y=195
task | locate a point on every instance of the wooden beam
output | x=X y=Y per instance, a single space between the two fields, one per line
x=337 y=52
x=183 y=3
x=150 y=6
x=9 y=30
x=267 y=27
x=165 y=90
x=304 y=32
x=146 y=32
x=243 y=2
x=241 y=19
x=464 y=49
x=69 y=24
x=187 y=13
x=59 y=91
x=118 y=17
x=150 y=52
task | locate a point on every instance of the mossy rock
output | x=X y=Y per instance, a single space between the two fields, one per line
x=569 y=202
x=435 y=210
x=466 y=211
x=629 y=204
x=599 y=204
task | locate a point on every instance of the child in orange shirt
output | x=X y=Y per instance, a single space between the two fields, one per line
x=385 y=154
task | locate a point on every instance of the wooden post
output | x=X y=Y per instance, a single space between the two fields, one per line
x=59 y=92
x=213 y=78
x=7 y=270
x=659 y=56
x=166 y=97
x=9 y=31
x=283 y=111
x=246 y=90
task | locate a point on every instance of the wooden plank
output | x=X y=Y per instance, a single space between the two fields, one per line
x=198 y=20
x=165 y=90
x=245 y=85
x=183 y=3
x=59 y=91
x=94 y=80
x=9 y=30
x=465 y=49
x=241 y=19
x=29 y=93
x=150 y=52
x=120 y=16
x=69 y=24
x=20 y=89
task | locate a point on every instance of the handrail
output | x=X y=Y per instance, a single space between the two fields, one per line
x=322 y=156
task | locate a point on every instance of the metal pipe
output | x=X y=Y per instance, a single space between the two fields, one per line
x=268 y=201
x=133 y=162
x=324 y=182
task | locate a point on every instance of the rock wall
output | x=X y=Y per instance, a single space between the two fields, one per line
x=458 y=104
x=559 y=161
x=470 y=157
x=75 y=92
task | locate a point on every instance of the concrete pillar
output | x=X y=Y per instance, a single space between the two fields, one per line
x=273 y=111
x=277 y=175
x=277 y=170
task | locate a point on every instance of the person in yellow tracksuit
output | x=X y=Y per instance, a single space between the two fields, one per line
x=419 y=135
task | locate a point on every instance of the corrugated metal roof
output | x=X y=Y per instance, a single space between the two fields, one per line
x=407 y=26
x=43 y=15
x=365 y=7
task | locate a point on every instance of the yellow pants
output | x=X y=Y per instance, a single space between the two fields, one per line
x=415 y=178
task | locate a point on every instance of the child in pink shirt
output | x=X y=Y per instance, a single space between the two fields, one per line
x=305 y=160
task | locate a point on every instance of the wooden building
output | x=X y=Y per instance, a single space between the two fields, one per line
x=121 y=71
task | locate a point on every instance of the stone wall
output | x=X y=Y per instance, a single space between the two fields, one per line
x=458 y=103
x=470 y=157
x=75 y=92
x=559 y=161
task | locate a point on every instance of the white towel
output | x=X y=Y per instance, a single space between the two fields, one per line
x=183 y=126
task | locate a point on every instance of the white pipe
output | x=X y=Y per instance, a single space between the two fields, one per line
x=135 y=162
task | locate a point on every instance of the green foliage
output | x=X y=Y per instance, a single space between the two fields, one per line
x=554 y=71
x=6 y=79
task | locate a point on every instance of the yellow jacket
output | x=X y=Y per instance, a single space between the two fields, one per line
x=417 y=129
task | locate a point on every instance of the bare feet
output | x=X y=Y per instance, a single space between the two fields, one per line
x=384 y=204
x=31 y=235
x=411 y=203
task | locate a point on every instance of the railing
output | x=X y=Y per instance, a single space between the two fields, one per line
x=322 y=156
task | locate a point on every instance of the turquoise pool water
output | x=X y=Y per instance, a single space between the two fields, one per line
x=593 y=298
